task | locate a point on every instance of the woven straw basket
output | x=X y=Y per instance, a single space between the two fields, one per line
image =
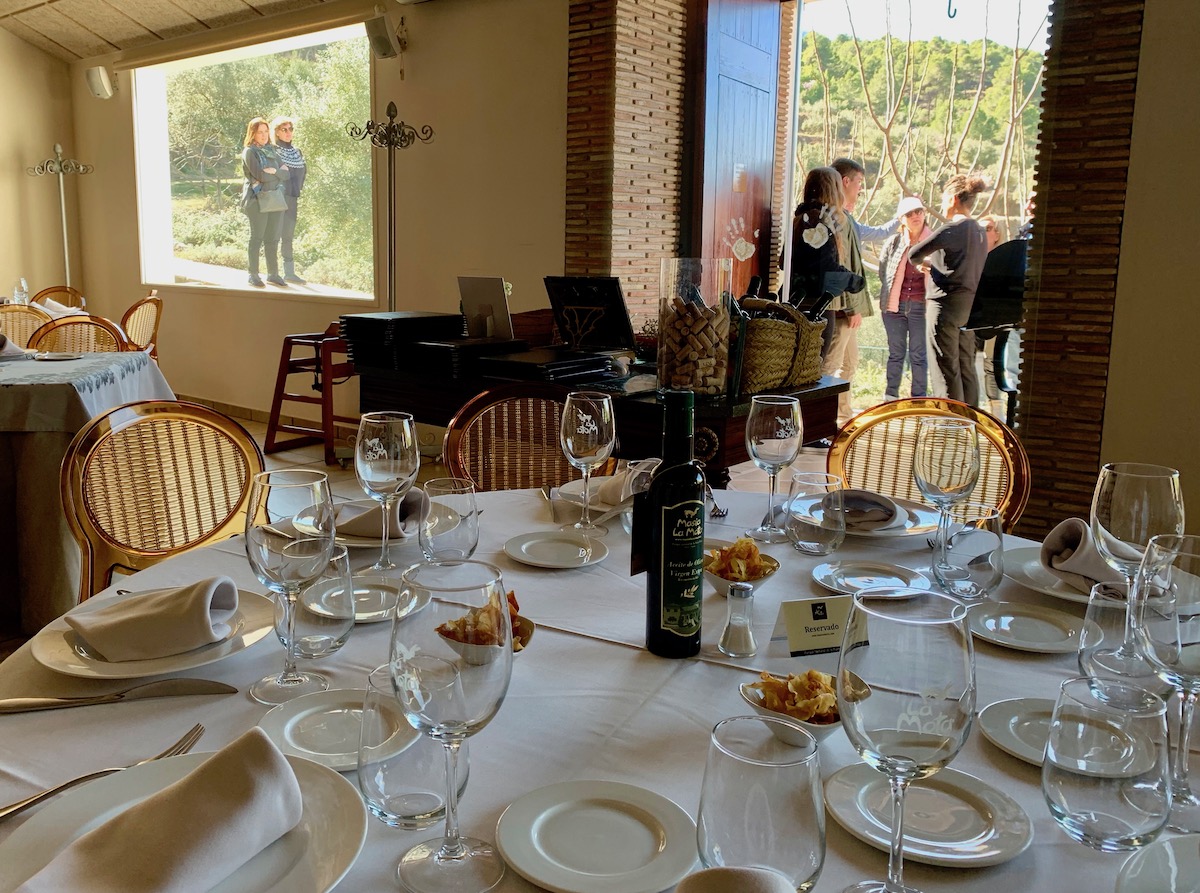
x=782 y=352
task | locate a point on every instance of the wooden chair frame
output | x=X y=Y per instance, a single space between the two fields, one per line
x=46 y=337
x=71 y=297
x=133 y=322
x=150 y=479
x=17 y=320
x=874 y=451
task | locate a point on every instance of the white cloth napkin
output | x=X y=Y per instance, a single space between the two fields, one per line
x=58 y=310
x=10 y=348
x=357 y=519
x=190 y=836
x=159 y=622
x=735 y=880
x=869 y=511
x=1070 y=554
x=621 y=485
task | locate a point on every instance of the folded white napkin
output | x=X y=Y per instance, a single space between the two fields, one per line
x=629 y=480
x=357 y=519
x=735 y=880
x=190 y=836
x=10 y=348
x=58 y=310
x=869 y=511
x=1070 y=554
x=159 y=622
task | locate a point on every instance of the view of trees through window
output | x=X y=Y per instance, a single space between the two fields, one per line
x=323 y=86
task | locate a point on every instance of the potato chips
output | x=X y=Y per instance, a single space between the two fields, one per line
x=480 y=626
x=809 y=697
x=740 y=562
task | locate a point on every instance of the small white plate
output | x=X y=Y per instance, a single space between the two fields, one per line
x=47 y=357
x=55 y=645
x=324 y=727
x=922 y=520
x=313 y=856
x=556 y=548
x=951 y=819
x=1024 y=566
x=572 y=492
x=597 y=837
x=1026 y=627
x=1167 y=866
x=1019 y=727
x=848 y=577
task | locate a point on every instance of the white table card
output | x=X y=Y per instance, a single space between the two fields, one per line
x=814 y=625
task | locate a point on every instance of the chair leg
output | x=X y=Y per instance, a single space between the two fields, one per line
x=281 y=376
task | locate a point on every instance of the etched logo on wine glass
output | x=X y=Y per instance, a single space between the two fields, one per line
x=374 y=450
x=585 y=423
x=784 y=428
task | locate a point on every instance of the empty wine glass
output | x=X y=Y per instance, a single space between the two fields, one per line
x=774 y=432
x=386 y=462
x=451 y=657
x=906 y=694
x=1132 y=503
x=587 y=435
x=289 y=541
x=945 y=469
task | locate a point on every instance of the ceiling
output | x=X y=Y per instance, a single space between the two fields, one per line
x=78 y=29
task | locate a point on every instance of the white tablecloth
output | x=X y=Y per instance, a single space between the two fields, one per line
x=42 y=406
x=579 y=706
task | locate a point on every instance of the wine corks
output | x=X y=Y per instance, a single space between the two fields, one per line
x=693 y=346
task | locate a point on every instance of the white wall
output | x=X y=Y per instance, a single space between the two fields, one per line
x=1152 y=413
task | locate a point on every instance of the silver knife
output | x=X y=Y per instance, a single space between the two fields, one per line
x=165 y=688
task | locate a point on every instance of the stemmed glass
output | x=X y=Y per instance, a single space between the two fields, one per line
x=289 y=542
x=1132 y=503
x=588 y=434
x=1167 y=632
x=451 y=659
x=386 y=462
x=945 y=469
x=774 y=432
x=906 y=694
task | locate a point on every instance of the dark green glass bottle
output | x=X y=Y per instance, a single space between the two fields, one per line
x=671 y=538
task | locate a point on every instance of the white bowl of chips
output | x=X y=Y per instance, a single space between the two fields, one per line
x=736 y=562
x=820 y=724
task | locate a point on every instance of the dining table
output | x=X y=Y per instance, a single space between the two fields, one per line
x=586 y=702
x=44 y=400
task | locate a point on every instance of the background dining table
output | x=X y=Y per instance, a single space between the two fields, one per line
x=586 y=701
x=43 y=404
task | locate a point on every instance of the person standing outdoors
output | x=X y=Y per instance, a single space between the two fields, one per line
x=902 y=293
x=955 y=273
x=282 y=129
x=262 y=175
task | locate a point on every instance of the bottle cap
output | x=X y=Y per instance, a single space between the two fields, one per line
x=741 y=590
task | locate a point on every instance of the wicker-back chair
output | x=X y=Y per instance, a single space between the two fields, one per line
x=80 y=334
x=61 y=294
x=18 y=322
x=140 y=323
x=507 y=438
x=150 y=479
x=874 y=451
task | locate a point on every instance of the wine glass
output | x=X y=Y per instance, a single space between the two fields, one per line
x=588 y=434
x=774 y=432
x=386 y=462
x=289 y=541
x=1167 y=632
x=1132 y=503
x=451 y=658
x=945 y=469
x=906 y=694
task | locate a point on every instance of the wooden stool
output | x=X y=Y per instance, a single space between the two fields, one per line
x=325 y=372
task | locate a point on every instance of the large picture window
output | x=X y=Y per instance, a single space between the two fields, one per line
x=199 y=224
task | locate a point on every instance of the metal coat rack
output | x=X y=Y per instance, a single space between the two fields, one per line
x=60 y=166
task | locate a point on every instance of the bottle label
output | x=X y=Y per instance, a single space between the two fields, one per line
x=681 y=563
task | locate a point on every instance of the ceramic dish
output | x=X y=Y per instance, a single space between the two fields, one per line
x=59 y=648
x=48 y=357
x=951 y=819
x=1019 y=727
x=1026 y=627
x=848 y=577
x=922 y=520
x=1167 y=866
x=313 y=856
x=819 y=730
x=478 y=655
x=721 y=585
x=597 y=837
x=556 y=549
x=1024 y=566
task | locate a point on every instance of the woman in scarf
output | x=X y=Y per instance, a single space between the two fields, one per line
x=283 y=128
x=902 y=293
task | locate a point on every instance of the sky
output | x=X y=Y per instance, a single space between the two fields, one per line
x=930 y=18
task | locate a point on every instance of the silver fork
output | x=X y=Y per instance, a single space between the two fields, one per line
x=182 y=746
x=716 y=511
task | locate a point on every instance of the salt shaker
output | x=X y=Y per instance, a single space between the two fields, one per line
x=737 y=640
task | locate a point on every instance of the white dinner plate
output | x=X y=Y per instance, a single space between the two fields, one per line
x=950 y=819
x=59 y=648
x=1024 y=566
x=49 y=357
x=1166 y=866
x=597 y=837
x=922 y=520
x=556 y=548
x=572 y=492
x=1026 y=627
x=312 y=857
x=444 y=518
x=1019 y=727
x=848 y=577
x=324 y=727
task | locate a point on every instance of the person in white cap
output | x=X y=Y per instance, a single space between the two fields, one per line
x=902 y=294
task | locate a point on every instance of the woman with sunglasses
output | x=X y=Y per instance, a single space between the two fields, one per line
x=282 y=130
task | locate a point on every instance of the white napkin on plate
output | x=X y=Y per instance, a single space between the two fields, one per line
x=621 y=485
x=10 y=348
x=735 y=880
x=870 y=511
x=58 y=310
x=190 y=836
x=1070 y=554
x=159 y=622
x=357 y=519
